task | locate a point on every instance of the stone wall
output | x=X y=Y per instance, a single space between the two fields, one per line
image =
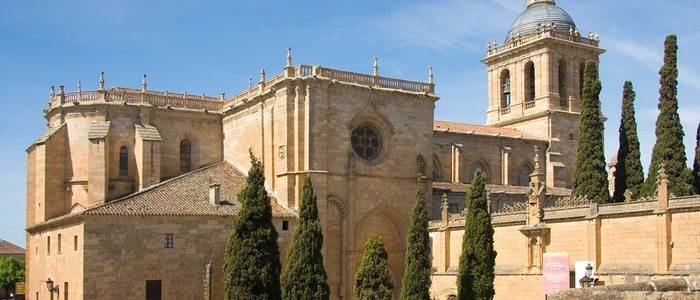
x=302 y=126
x=62 y=267
x=116 y=255
x=487 y=151
x=629 y=242
x=77 y=161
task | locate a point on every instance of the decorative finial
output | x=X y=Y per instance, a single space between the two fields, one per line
x=60 y=89
x=53 y=91
x=80 y=88
x=222 y=96
x=376 y=67
x=262 y=75
x=289 y=57
x=536 y=149
x=144 y=83
x=430 y=75
x=250 y=82
x=443 y=201
x=662 y=173
x=102 y=80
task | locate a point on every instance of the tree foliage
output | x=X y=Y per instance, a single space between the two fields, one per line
x=628 y=172
x=416 y=277
x=476 y=264
x=669 y=149
x=590 y=178
x=251 y=263
x=11 y=272
x=304 y=276
x=696 y=164
x=372 y=279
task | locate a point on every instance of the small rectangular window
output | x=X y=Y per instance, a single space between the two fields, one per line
x=48 y=245
x=59 y=243
x=168 y=241
x=75 y=243
x=285 y=225
x=65 y=291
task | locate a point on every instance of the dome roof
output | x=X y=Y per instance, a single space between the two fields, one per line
x=541 y=12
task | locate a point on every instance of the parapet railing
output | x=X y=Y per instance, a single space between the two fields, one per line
x=128 y=95
x=545 y=31
x=302 y=71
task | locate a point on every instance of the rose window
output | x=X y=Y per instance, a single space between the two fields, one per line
x=366 y=141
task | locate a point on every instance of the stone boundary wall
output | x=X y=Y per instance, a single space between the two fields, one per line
x=629 y=242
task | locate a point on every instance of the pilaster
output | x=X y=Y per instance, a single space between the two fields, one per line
x=98 y=176
x=147 y=153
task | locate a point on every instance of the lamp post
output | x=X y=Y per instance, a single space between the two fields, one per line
x=52 y=289
x=588 y=280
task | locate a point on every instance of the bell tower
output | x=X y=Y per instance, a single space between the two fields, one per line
x=535 y=80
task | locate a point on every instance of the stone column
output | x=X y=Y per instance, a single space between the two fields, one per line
x=505 y=165
x=456 y=157
x=663 y=223
x=535 y=229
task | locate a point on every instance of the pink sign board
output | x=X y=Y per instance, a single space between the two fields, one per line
x=555 y=272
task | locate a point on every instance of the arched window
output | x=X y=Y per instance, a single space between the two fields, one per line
x=478 y=166
x=529 y=81
x=185 y=156
x=563 y=93
x=581 y=69
x=437 y=169
x=123 y=161
x=524 y=175
x=505 y=88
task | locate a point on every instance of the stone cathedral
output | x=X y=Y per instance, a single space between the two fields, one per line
x=130 y=191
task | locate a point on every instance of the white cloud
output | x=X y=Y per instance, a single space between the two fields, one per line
x=446 y=24
x=653 y=60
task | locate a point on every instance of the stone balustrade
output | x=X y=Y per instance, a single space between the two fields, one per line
x=545 y=32
x=136 y=96
x=303 y=71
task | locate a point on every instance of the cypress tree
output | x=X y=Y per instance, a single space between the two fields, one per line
x=628 y=173
x=590 y=177
x=304 y=276
x=476 y=264
x=696 y=164
x=669 y=148
x=252 y=264
x=372 y=279
x=416 y=278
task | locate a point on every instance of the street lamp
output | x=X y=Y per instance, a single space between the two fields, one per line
x=588 y=280
x=51 y=287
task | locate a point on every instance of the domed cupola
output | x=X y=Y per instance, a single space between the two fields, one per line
x=539 y=13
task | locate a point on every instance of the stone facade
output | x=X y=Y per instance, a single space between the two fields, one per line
x=628 y=242
x=121 y=173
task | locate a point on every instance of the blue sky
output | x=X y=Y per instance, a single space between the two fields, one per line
x=215 y=46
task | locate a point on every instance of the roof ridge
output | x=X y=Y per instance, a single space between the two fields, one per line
x=153 y=186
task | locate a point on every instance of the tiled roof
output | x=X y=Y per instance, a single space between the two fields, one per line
x=148 y=132
x=10 y=248
x=48 y=133
x=464 y=128
x=98 y=130
x=186 y=195
x=498 y=188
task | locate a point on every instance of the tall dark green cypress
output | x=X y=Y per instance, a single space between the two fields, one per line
x=669 y=149
x=252 y=260
x=590 y=175
x=696 y=164
x=372 y=279
x=628 y=173
x=416 y=277
x=476 y=264
x=304 y=276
